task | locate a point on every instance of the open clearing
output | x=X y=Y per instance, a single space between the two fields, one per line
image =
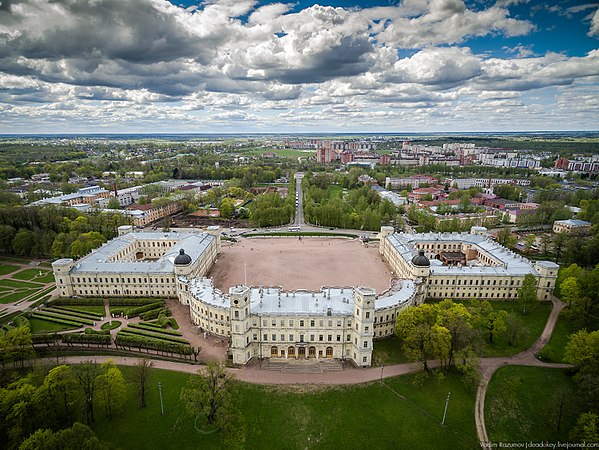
x=309 y=263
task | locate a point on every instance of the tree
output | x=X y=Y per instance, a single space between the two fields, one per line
x=86 y=242
x=23 y=242
x=16 y=345
x=527 y=294
x=586 y=429
x=226 y=208
x=86 y=374
x=59 y=384
x=559 y=242
x=514 y=329
x=486 y=317
x=112 y=388
x=421 y=337
x=506 y=238
x=209 y=395
x=458 y=321
x=569 y=290
x=113 y=203
x=78 y=436
x=529 y=241
x=141 y=371
x=582 y=350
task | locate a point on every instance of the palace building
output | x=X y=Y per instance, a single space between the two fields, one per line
x=463 y=266
x=267 y=322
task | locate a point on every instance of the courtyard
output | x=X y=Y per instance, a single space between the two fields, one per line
x=309 y=263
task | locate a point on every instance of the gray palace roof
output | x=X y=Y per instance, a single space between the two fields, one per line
x=510 y=263
x=99 y=260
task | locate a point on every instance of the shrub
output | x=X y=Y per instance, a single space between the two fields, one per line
x=77 y=302
x=130 y=340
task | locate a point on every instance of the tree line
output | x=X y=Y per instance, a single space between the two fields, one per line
x=52 y=231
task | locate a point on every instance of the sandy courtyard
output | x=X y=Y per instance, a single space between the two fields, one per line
x=307 y=264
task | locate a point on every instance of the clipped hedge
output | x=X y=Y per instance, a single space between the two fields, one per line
x=92 y=331
x=154 y=335
x=154 y=328
x=56 y=320
x=132 y=301
x=130 y=340
x=152 y=314
x=65 y=316
x=75 y=313
x=133 y=312
x=77 y=302
x=78 y=338
x=46 y=338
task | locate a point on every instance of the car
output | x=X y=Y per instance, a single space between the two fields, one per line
x=331 y=228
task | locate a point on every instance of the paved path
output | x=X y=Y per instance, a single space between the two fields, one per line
x=488 y=366
x=351 y=375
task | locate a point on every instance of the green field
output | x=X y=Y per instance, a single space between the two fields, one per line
x=19 y=284
x=45 y=326
x=33 y=275
x=16 y=295
x=398 y=414
x=523 y=404
x=334 y=191
x=554 y=350
x=6 y=269
x=100 y=310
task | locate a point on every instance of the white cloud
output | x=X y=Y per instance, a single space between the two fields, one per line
x=594 y=31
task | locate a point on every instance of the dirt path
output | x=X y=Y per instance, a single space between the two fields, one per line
x=488 y=366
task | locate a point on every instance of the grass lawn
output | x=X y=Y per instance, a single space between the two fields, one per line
x=6 y=269
x=88 y=308
x=45 y=326
x=15 y=259
x=31 y=275
x=19 y=284
x=554 y=350
x=111 y=325
x=394 y=415
x=534 y=322
x=388 y=351
x=16 y=296
x=334 y=191
x=523 y=403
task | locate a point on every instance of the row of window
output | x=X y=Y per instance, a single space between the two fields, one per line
x=301 y=338
x=473 y=282
x=127 y=280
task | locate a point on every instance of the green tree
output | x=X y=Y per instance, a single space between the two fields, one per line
x=86 y=242
x=487 y=318
x=506 y=238
x=582 y=350
x=527 y=294
x=86 y=374
x=420 y=336
x=458 y=321
x=209 y=395
x=113 y=203
x=586 y=429
x=16 y=345
x=23 y=241
x=226 y=208
x=79 y=436
x=569 y=290
x=60 y=386
x=112 y=388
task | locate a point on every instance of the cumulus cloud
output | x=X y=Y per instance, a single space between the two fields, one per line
x=117 y=62
x=594 y=31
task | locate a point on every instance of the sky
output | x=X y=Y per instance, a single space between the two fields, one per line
x=244 y=66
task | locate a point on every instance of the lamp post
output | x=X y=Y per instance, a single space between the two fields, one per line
x=445 y=412
x=161 y=405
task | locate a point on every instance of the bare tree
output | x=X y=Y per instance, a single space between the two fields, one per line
x=141 y=371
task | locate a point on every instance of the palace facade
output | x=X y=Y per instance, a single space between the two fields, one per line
x=267 y=322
